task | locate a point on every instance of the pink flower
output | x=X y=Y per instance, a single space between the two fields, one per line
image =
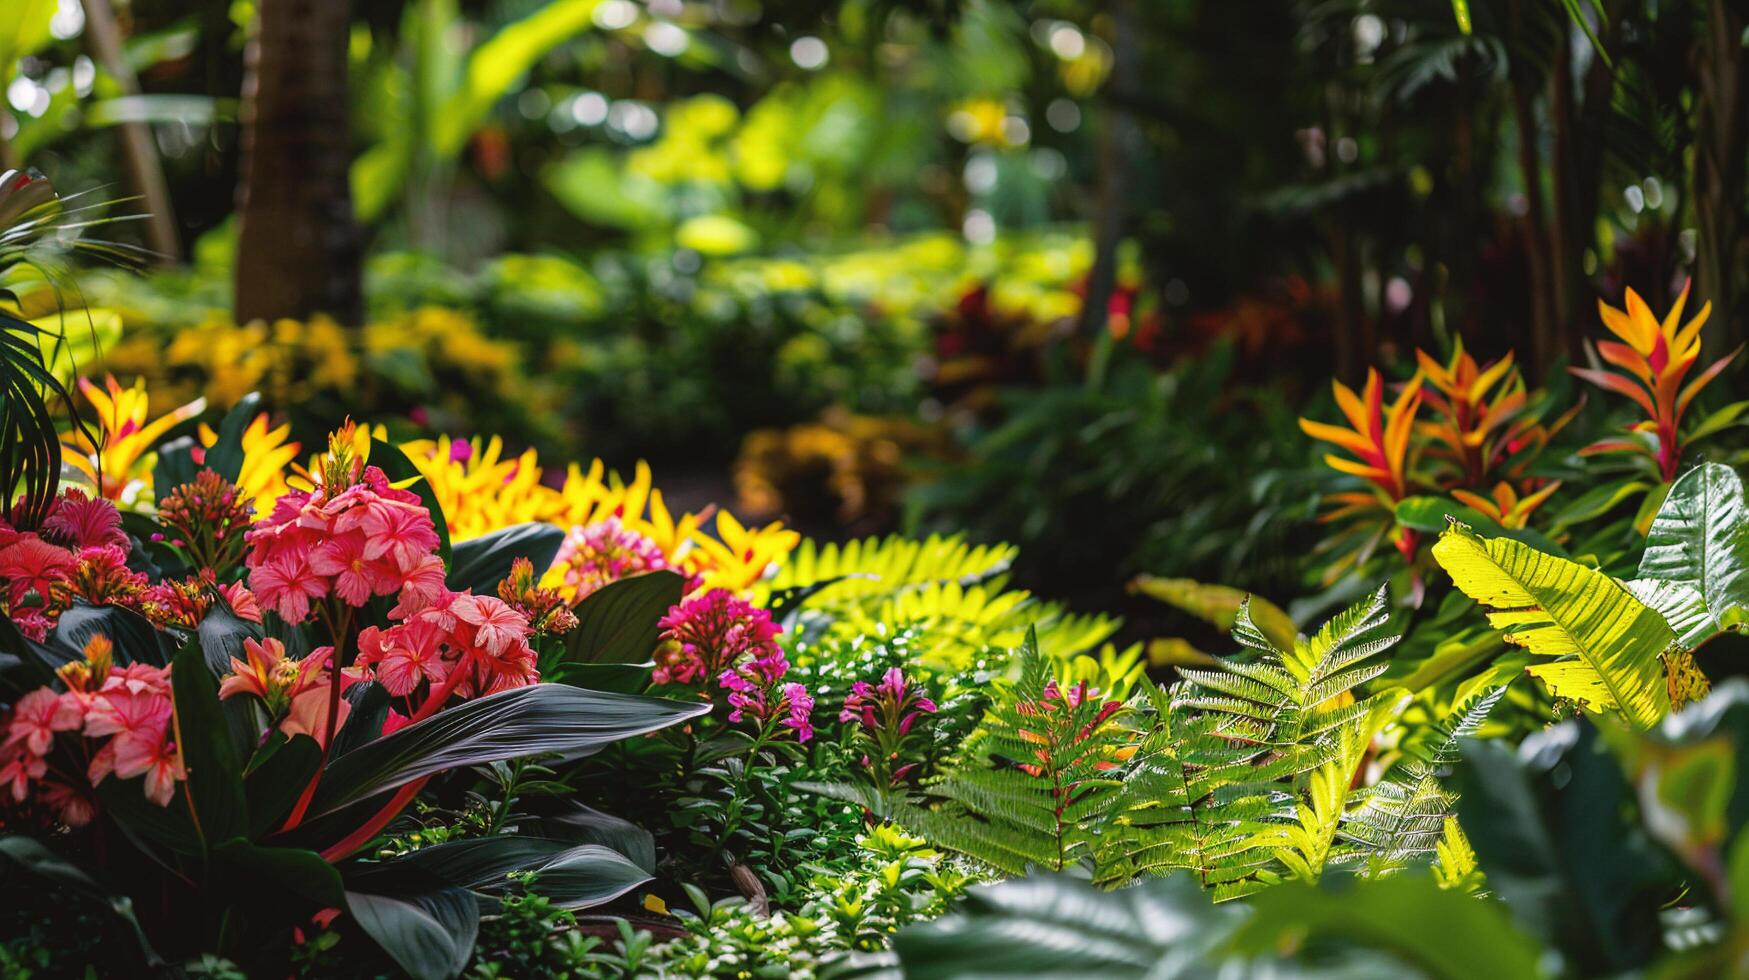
x=422 y=585
x=241 y=601
x=38 y=716
x=19 y=769
x=286 y=585
x=394 y=721
x=355 y=577
x=593 y=555
x=401 y=532
x=460 y=644
x=156 y=760
x=887 y=713
x=706 y=635
x=754 y=693
x=78 y=521
x=405 y=656
x=495 y=625
x=30 y=564
x=354 y=537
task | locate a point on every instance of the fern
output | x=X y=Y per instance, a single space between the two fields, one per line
x=1403 y=819
x=1040 y=774
x=1234 y=748
x=879 y=567
x=1454 y=865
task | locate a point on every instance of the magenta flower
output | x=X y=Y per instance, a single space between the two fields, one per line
x=887 y=712
x=708 y=634
x=754 y=693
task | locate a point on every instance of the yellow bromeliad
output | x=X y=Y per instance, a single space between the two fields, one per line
x=266 y=453
x=120 y=463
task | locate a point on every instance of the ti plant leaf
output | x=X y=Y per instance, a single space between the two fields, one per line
x=1605 y=646
x=1696 y=567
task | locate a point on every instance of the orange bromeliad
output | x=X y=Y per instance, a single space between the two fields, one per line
x=1656 y=357
x=1379 y=440
x=1481 y=411
x=1505 y=507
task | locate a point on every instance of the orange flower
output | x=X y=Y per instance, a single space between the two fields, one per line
x=1506 y=508
x=1379 y=440
x=1477 y=428
x=1656 y=357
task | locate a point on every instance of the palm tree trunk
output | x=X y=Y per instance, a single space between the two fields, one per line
x=298 y=246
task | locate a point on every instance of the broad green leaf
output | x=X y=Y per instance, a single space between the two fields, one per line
x=1439 y=933
x=1607 y=644
x=215 y=782
x=616 y=624
x=572 y=876
x=225 y=456
x=481 y=563
x=24 y=27
x=1700 y=538
x=495 y=67
x=1059 y=926
x=526 y=721
x=430 y=934
x=1555 y=830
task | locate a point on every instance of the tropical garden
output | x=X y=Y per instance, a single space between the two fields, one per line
x=880 y=488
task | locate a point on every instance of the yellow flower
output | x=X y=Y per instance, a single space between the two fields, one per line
x=480 y=492
x=266 y=453
x=120 y=463
x=738 y=556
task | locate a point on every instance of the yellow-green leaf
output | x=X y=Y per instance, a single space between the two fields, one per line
x=1605 y=643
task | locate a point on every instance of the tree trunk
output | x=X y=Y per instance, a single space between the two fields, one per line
x=1117 y=148
x=1536 y=239
x=299 y=249
x=145 y=169
x=1718 y=168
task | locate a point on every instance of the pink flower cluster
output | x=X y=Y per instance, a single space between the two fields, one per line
x=41 y=573
x=129 y=707
x=592 y=555
x=755 y=692
x=887 y=712
x=366 y=539
x=460 y=643
x=707 y=634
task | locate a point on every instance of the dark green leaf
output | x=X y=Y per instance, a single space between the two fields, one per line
x=215 y=784
x=525 y=721
x=225 y=456
x=616 y=624
x=430 y=935
x=481 y=563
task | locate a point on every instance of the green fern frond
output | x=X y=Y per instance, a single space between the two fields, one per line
x=1403 y=819
x=875 y=567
